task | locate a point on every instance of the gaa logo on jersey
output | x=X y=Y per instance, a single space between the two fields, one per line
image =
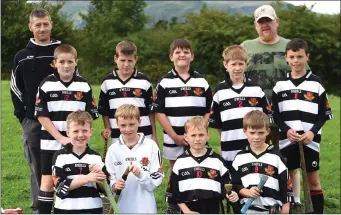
x=253 y=101
x=79 y=96
x=144 y=161
x=197 y=91
x=309 y=96
x=37 y=100
x=212 y=173
x=137 y=92
x=270 y=170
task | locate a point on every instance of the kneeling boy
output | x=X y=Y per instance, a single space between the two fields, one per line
x=260 y=159
x=142 y=156
x=199 y=174
x=77 y=169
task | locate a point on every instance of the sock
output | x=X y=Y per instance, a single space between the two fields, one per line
x=318 y=201
x=45 y=202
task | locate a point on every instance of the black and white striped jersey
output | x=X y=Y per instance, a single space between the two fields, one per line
x=198 y=178
x=136 y=90
x=68 y=166
x=137 y=195
x=301 y=104
x=247 y=168
x=228 y=109
x=56 y=100
x=181 y=99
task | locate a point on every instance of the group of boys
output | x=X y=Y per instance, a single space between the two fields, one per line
x=185 y=108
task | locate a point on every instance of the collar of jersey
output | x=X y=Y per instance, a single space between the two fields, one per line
x=134 y=74
x=306 y=76
x=141 y=139
x=269 y=148
x=65 y=83
x=176 y=74
x=68 y=147
x=202 y=158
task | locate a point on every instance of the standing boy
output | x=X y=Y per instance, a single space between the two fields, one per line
x=301 y=108
x=141 y=156
x=199 y=174
x=260 y=159
x=126 y=85
x=181 y=94
x=233 y=99
x=77 y=169
x=58 y=95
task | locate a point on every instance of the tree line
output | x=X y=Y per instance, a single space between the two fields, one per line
x=210 y=31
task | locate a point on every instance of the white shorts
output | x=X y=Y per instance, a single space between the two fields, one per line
x=172 y=153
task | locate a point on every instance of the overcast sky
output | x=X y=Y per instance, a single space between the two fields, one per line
x=328 y=7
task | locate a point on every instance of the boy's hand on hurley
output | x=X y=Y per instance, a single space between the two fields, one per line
x=106 y=133
x=135 y=170
x=233 y=197
x=97 y=167
x=307 y=137
x=119 y=185
x=96 y=177
x=254 y=192
x=293 y=136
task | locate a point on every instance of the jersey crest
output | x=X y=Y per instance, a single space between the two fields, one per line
x=144 y=161
x=309 y=96
x=79 y=96
x=212 y=173
x=197 y=91
x=137 y=92
x=253 y=101
x=270 y=170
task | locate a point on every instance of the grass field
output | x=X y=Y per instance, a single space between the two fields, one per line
x=15 y=188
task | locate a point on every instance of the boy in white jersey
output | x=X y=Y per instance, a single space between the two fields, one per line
x=142 y=156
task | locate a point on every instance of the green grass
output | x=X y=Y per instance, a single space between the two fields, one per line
x=15 y=187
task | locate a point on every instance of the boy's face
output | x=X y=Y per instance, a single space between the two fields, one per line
x=267 y=28
x=297 y=60
x=197 y=137
x=65 y=64
x=128 y=126
x=256 y=137
x=41 y=28
x=79 y=134
x=236 y=69
x=181 y=58
x=125 y=64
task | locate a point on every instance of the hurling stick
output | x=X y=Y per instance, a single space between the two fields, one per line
x=124 y=177
x=263 y=179
x=308 y=205
x=110 y=197
x=235 y=207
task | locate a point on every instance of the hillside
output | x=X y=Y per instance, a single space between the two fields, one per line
x=165 y=10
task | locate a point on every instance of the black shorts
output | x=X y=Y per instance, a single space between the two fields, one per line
x=292 y=154
x=46 y=162
x=207 y=206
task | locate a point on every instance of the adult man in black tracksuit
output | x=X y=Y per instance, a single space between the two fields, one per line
x=30 y=66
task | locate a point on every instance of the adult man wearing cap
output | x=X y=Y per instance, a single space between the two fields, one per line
x=267 y=65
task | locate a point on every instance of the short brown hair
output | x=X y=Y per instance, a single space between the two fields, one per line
x=256 y=120
x=182 y=44
x=39 y=13
x=235 y=52
x=126 y=47
x=127 y=111
x=196 y=122
x=65 y=49
x=80 y=117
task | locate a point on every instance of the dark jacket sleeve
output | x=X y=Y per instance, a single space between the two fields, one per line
x=215 y=120
x=103 y=101
x=209 y=98
x=324 y=113
x=18 y=89
x=148 y=98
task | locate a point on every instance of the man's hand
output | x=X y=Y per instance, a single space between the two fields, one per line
x=233 y=197
x=119 y=185
x=254 y=192
x=106 y=133
x=135 y=170
x=64 y=140
x=190 y=212
x=293 y=136
x=307 y=137
x=180 y=140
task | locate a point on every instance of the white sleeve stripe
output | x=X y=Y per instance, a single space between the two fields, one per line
x=14 y=87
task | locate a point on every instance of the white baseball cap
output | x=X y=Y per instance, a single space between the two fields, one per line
x=265 y=11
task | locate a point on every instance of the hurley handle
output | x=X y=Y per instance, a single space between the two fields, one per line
x=110 y=197
x=235 y=207
x=263 y=179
